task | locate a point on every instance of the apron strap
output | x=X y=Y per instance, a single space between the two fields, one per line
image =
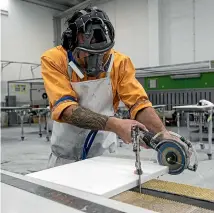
x=76 y=69
x=73 y=66
x=109 y=64
x=88 y=143
x=70 y=58
x=69 y=72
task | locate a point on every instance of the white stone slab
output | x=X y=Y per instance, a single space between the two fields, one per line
x=105 y=176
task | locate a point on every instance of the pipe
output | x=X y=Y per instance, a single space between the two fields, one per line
x=26 y=80
x=194 y=34
x=17 y=62
x=173 y=65
x=47 y=5
x=31 y=69
x=31 y=98
x=3 y=65
x=162 y=73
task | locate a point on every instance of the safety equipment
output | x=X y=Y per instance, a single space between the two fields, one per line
x=91 y=64
x=94 y=24
x=89 y=36
x=91 y=72
x=70 y=143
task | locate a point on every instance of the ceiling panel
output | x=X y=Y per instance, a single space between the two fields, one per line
x=60 y=5
x=68 y=3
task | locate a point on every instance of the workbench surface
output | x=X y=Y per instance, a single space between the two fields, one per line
x=193 y=108
x=105 y=176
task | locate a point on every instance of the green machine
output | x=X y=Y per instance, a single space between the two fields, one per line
x=179 y=84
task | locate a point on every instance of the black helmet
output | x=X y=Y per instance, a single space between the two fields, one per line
x=93 y=23
x=97 y=38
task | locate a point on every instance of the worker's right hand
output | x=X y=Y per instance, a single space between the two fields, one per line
x=122 y=127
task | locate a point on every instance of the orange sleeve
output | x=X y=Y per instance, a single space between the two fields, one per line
x=57 y=86
x=130 y=91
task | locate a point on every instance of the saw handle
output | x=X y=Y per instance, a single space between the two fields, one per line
x=147 y=138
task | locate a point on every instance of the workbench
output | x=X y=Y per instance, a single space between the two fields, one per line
x=46 y=113
x=24 y=194
x=23 y=111
x=199 y=109
x=44 y=191
x=105 y=176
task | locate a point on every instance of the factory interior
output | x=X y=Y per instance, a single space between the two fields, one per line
x=171 y=45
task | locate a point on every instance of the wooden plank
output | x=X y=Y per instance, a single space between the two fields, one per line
x=105 y=176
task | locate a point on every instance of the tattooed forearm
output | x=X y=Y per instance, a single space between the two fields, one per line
x=85 y=118
x=146 y=116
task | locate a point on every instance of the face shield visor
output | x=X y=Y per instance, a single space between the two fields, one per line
x=95 y=38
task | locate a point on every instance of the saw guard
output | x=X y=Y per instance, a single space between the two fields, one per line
x=179 y=148
x=171 y=147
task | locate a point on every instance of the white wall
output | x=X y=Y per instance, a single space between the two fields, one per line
x=130 y=20
x=183 y=38
x=171 y=38
x=26 y=33
x=204 y=29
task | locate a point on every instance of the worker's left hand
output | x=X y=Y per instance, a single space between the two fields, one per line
x=167 y=135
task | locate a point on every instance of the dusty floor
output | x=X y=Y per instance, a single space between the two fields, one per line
x=32 y=155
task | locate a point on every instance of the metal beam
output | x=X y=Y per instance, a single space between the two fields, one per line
x=18 y=62
x=173 y=72
x=57 y=31
x=29 y=80
x=48 y=4
x=70 y=11
x=175 y=69
x=4 y=64
x=199 y=64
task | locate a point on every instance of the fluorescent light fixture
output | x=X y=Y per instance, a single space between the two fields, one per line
x=185 y=76
x=176 y=69
x=4 y=5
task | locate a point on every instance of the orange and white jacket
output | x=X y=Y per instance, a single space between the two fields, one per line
x=125 y=86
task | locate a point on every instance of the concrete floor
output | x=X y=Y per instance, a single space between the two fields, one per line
x=32 y=155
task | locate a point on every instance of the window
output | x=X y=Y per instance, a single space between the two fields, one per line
x=4 y=7
x=152 y=83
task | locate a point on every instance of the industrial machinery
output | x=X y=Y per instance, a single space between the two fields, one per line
x=174 y=153
x=178 y=84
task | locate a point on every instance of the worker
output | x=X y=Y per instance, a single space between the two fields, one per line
x=85 y=79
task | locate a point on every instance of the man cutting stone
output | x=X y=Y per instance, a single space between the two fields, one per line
x=85 y=79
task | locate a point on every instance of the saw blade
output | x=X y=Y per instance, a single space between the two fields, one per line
x=173 y=156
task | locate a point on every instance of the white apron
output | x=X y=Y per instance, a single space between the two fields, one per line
x=67 y=141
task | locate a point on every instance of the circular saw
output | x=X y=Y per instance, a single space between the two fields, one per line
x=175 y=153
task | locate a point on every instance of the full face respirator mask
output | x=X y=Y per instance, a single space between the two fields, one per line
x=92 y=39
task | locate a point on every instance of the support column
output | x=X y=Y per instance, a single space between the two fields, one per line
x=153 y=23
x=57 y=31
